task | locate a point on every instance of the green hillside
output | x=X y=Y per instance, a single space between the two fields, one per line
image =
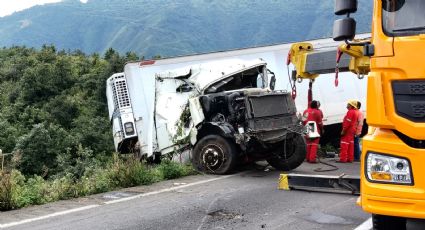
x=170 y=28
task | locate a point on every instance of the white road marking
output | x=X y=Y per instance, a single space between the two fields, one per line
x=2 y=226
x=367 y=225
x=48 y=216
x=167 y=189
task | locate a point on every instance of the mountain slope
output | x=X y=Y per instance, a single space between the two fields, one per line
x=169 y=28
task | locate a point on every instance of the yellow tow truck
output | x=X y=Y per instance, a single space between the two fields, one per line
x=392 y=170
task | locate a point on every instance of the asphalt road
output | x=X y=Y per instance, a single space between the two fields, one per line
x=246 y=200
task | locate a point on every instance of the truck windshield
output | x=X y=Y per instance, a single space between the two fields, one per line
x=403 y=17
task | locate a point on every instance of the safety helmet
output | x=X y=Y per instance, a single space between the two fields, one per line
x=353 y=103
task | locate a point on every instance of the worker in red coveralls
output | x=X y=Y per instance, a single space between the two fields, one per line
x=313 y=114
x=321 y=113
x=349 y=127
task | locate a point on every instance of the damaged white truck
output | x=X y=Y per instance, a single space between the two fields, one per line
x=221 y=112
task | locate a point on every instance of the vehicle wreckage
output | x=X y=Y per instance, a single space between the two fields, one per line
x=219 y=113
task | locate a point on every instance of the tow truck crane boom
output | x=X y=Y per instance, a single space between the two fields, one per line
x=310 y=63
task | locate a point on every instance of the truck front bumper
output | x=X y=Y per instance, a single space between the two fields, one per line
x=387 y=198
x=391 y=206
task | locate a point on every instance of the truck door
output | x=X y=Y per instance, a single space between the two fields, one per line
x=172 y=112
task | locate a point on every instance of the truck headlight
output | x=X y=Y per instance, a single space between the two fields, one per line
x=388 y=169
x=129 y=129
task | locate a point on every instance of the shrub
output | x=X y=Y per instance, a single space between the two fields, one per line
x=17 y=191
x=62 y=188
x=131 y=172
x=75 y=164
x=10 y=185
x=40 y=147
x=98 y=180
x=172 y=170
x=6 y=202
x=35 y=191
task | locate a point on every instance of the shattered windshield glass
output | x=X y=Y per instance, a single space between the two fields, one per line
x=403 y=17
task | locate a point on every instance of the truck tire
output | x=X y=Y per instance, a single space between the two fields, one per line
x=214 y=154
x=154 y=159
x=293 y=156
x=381 y=222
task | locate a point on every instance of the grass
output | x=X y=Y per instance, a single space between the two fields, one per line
x=17 y=191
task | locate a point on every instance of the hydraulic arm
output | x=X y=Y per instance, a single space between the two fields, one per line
x=310 y=63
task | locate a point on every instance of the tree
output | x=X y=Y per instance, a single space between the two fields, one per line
x=62 y=111
x=53 y=104
x=115 y=61
x=8 y=136
x=40 y=148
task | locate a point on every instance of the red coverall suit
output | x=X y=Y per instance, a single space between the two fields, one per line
x=312 y=144
x=349 y=126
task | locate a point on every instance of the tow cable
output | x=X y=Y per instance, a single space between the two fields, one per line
x=332 y=166
x=293 y=84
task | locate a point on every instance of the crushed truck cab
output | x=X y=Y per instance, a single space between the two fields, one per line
x=223 y=112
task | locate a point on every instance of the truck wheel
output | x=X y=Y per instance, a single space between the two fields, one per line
x=381 y=222
x=214 y=154
x=290 y=156
x=154 y=159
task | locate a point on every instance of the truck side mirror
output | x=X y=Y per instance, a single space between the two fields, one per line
x=344 y=29
x=345 y=7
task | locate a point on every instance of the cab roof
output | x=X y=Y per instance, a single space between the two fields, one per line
x=205 y=74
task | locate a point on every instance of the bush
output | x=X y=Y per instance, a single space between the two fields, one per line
x=62 y=188
x=6 y=202
x=10 y=187
x=17 y=191
x=40 y=147
x=172 y=170
x=131 y=172
x=35 y=191
x=75 y=164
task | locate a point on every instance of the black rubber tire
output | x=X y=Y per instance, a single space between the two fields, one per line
x=295 y=155
x=381 y=222
x=154 y=159
x=214 y=154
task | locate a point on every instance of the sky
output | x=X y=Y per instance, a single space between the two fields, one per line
x=8 y=7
